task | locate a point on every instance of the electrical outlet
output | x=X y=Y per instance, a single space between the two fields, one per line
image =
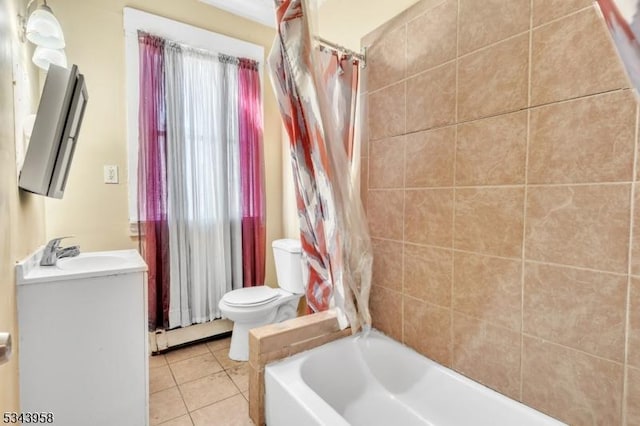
x=110 y=174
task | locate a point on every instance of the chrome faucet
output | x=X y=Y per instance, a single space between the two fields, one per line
x=52 y=252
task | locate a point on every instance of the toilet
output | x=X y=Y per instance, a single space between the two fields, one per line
x=252 y=307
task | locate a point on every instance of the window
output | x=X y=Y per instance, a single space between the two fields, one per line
x=135 y=20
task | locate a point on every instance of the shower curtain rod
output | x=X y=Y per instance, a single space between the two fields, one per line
x=361 y=56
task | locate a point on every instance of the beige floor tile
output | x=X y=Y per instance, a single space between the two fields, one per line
x=240 y=376
x=222 y=355
x=207 y=390
x=166 y=405
x=157 y=361
x=195 y=368
x=230 y=412
x=180 y=421
x=186 y=353
x=246 y=395
x=160 y=378
x=218 y=344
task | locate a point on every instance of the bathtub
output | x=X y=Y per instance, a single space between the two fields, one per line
x=378 y=381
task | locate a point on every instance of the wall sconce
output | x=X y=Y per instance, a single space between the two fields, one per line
x=43 y=29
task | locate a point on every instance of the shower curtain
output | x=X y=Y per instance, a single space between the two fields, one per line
x=190 y=164
x=335 y=241
x=340 y=75
x=623 y=21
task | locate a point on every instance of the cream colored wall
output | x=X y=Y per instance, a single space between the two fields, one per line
x=94 y=212
x=290 y=222
x=21 y=214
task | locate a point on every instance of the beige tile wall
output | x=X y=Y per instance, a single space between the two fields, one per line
x=501 y=193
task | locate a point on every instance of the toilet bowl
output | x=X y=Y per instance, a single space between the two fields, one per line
x=252 y=307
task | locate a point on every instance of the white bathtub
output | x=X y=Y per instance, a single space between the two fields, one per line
x=378 y=381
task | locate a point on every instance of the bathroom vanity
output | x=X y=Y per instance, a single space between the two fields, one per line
x=83 y=339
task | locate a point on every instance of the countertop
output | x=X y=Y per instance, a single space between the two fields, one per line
x=86 y=265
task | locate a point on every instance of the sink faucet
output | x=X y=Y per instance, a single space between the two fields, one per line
x=52 y=252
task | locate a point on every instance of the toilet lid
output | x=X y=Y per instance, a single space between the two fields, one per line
x=251 y=296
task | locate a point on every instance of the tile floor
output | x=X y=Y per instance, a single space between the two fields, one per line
x=199 y=385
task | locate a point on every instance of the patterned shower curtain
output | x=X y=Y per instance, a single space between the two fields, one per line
x=340 y=75
x=335 y=241
x=625 y=31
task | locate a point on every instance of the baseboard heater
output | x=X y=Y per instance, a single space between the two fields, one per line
x=162 y=340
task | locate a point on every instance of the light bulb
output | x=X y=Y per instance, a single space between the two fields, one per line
x=43 y=57
x=43 y=29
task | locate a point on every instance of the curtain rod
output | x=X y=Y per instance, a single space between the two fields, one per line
x=361 y=56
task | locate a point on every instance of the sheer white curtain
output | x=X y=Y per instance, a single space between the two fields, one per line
x=203 y=183
x=228 y=104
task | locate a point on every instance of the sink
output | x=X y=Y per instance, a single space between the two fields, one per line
x=86 y=262
x=85 y=265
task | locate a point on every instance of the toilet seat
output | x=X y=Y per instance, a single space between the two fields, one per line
x=250 y=296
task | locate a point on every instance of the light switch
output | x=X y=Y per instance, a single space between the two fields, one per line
x=110 y=174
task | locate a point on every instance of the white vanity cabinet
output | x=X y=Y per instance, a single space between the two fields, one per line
x=83 y=341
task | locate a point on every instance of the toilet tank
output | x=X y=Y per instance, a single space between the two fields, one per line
x=287 y=254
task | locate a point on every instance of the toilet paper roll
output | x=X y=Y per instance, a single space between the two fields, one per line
x=5 y=347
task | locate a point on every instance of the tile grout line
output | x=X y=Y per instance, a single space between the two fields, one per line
x=479 y=319
x=525 y=334
x=404 y=178
x=453 y=210
x=430 y=9
x=174 y=418
x=193 y=380
x=625 y=385
x=513 y=259
x=214 y=403
x=365 y=117
x=409 y=76
x=233 y=383
x=554 y=20
x=511 y=111
x=182 y=395
x=579 y=268
x=175 y=380
x=525 y=201
x=394 y=25
x=571 y=348
x=504 y=186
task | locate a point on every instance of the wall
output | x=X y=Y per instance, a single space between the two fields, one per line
x=21 y=215
x=503 y=202
x=290 y=221
x=97 y=213
x=346 y=22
